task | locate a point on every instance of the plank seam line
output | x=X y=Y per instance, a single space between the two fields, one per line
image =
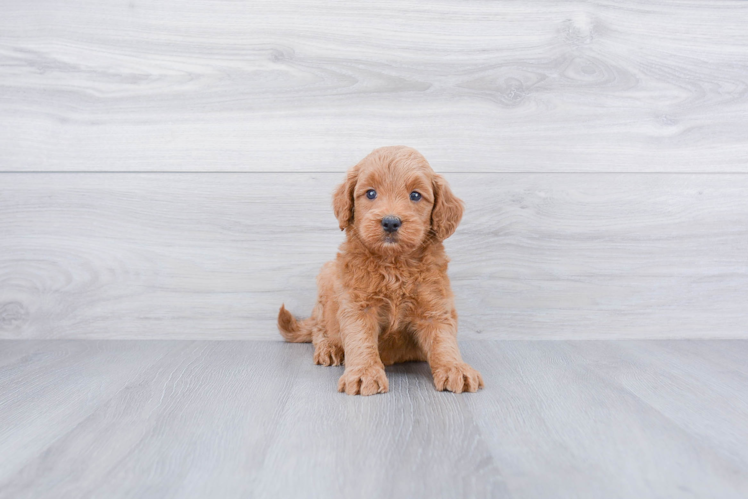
x=341 y=172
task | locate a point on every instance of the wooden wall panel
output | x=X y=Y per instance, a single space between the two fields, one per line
x=212 y=256
x=542 y=86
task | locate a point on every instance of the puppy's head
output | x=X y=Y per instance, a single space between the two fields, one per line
x=395 y=203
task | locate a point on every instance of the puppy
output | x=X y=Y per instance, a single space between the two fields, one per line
x=386 y=298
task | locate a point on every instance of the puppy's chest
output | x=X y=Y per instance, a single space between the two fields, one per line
x=396 y=297
x=394 y=285
x=394 y=292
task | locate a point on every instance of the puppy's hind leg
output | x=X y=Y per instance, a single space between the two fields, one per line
x=310 y=330
x=326 y=352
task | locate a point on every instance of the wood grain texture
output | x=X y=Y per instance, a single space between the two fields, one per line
x=51 y=388
x=257 y=419
x=421 y=444
x=207 y=256
x=158 y=427
x=605 y=419
x=548 y=86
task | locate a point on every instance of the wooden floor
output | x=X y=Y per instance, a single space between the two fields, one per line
x=149 y=418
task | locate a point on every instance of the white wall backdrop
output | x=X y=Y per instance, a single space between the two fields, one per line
x=166 y=167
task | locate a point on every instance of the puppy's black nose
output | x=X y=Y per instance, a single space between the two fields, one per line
x=391 y=223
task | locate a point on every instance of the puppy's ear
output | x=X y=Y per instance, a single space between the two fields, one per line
x=342 y=199
x=447 y=211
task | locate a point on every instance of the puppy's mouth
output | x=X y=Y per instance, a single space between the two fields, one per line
x=390 y=239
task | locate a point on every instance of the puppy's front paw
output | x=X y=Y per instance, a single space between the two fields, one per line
x=328 y=354
x=457 y=378
x=365 y=381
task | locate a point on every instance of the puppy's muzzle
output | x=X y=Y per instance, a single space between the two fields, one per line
x=391 y=223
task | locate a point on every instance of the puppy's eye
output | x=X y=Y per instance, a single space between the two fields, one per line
x=415 y=196
x=371 y=194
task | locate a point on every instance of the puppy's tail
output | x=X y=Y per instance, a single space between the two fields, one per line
x=293 y=330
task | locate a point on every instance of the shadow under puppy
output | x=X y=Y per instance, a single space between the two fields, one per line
x=386 y=298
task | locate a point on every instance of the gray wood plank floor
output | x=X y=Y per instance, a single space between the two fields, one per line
x=212 y=256
x=228 y=418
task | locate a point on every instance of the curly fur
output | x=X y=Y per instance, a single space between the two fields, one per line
x=386 y=298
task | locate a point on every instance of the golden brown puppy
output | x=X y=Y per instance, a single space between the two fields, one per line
x=386 y=298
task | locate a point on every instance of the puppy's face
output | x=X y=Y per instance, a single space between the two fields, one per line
x=392 y=207
x=395 y=202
